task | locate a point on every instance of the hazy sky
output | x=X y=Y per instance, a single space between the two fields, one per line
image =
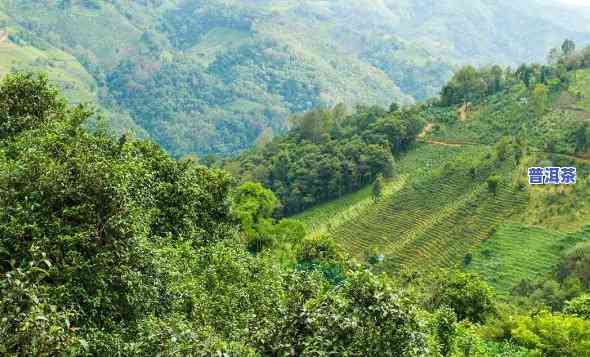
x=574 y=2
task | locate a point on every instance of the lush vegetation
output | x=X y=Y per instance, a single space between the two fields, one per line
x=328 y=154
x=460 y=200
x=544 y=103
x=110 y=246
x=213 y=76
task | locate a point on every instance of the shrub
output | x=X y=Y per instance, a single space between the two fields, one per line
x=579 y=306
x=465 y=293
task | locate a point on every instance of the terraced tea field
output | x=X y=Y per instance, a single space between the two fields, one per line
x=433 y=212
x=430 y=225
x=415 y=165
x=516 y=252
x=438 y=212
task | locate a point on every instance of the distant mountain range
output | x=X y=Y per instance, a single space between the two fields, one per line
x=209 y=76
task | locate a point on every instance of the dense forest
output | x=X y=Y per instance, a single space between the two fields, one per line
x=111 y=247
x=329 y=153
x=214 y=76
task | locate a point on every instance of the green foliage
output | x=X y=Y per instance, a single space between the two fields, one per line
x=548 y=294
x=493 y=182
x=289 y=230
x=568 y=47
x=465 y=293
x=576 y=263
x=503 y=263
x=579 y=307
x=92 y=206
x=377 y=188
x=209 y=76
x=328 y=154
x=318 y=249
x=253 y=204
x=469 y=343
x=438 y=211
x=540 y=96
x=553 y=335
x=445 y=329
x=31 y=324
x=113 y=248
x=364 y=317
x=27 y=102
x=471 y=85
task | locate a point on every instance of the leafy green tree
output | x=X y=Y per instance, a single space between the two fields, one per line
x=553 y=334
x=314 y=125
x=348 y=155
x=525 y=74
x=582 y=136
x=388 y=166
x=503 y=148
x=465 y=293
x=394 y=107
x=493 y=182
x=445 y=329
x=31 y=323
x=27 y=101
x=575 y=263
x=253 y=204
x=496 y=81
x=366 y=316
x=377 y=188
x=318 y=249
x=579 y=306
x=93 y=206
x=467 y=85
x=289 y=230
x=568 y=47
x=82 y=197
x=539 y=96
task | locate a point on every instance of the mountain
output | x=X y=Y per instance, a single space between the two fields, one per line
x=211 y=76
x=416 y=230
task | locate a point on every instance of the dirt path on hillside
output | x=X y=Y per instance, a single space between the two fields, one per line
x=427 y=129
x=442 y=143
x=583 y=159
x=4 y=42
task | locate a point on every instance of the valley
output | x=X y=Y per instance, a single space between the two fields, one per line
x=210 y=76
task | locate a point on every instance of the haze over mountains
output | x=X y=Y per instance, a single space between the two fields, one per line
x=211 y=76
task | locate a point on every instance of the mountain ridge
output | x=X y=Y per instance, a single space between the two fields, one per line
x=221 y=72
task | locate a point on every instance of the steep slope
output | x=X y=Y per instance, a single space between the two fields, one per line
x=442 y=208
x=209 y=76
x=436 y=218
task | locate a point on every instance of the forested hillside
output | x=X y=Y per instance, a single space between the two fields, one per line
x=359 y=186
x=111 y=247
x=212 y=76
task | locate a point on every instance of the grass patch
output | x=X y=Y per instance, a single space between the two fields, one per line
x=581 y=89
x=517 y=252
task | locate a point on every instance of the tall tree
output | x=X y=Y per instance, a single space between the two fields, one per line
x=568 y=47
x=377 y=191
